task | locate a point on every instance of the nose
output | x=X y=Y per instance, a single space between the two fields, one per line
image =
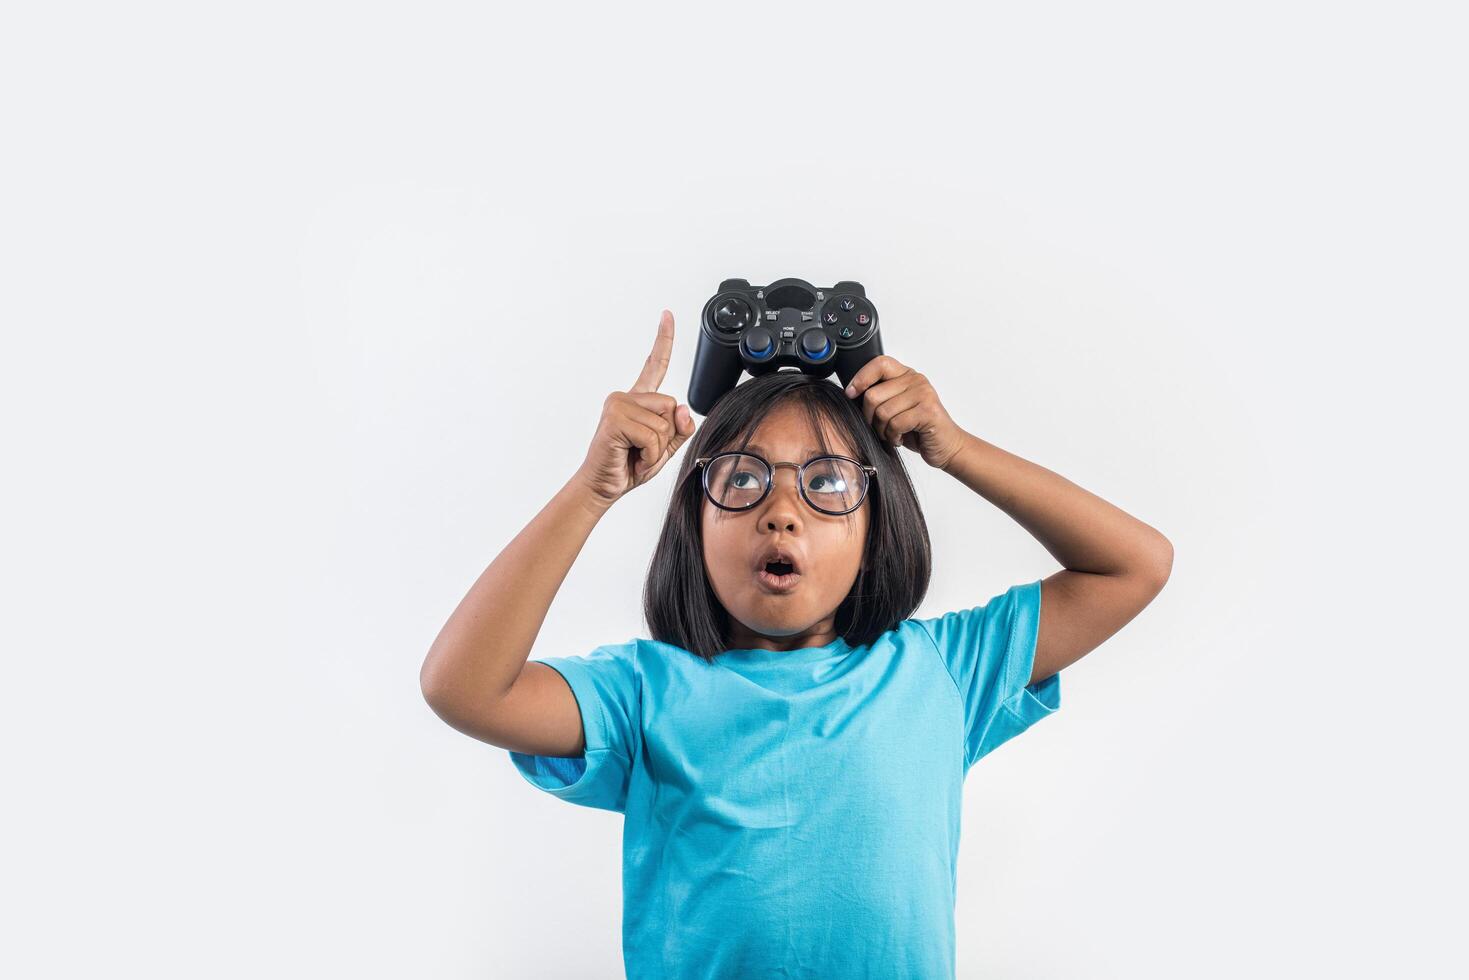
x=783 y=504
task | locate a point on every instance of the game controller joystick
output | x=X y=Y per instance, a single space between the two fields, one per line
x=789 y=323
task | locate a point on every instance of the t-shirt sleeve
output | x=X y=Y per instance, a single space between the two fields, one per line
x=607 y=687
x=990 y=651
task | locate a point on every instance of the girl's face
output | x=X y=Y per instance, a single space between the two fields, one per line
x=827 y=549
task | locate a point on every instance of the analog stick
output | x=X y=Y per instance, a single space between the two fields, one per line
x=760 y=343
x=732 y=315
x=815 y=343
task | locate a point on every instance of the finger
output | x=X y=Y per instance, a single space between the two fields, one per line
x=655 y=401
x=668 y=407
x=885 y=416
x=683 y=421
x=657 y=363
x=646 y=440
x=880 y=393
x=904 y=422
x=660 y=424
x=651 y=461
x=880 y=367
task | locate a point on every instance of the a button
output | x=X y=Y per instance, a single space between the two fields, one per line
x=830 y=316
x=847 y=303
x=845 y=332
x=862 y=319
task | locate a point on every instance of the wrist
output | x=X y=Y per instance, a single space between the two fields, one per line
x=579 y=491
x=963 y=443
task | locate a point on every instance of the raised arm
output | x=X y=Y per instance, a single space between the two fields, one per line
x=476 y=675
x=1114 y=563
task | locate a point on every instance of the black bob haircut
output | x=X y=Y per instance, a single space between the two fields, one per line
x=679 y=604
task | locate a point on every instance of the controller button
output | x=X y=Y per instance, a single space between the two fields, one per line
x=862 y=319
x=847 y=303
x=830 y=316
x=845 y=332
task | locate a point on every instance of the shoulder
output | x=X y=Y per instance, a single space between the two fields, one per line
x=1012 y=608
x=994 y=629
x=912 y=632
x=609 y=668
x=656 y=660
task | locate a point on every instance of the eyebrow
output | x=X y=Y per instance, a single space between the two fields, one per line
x=808 y=452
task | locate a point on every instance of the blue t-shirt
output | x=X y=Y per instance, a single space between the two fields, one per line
x=796 y=815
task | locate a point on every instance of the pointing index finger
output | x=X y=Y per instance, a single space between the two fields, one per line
x=657 y=363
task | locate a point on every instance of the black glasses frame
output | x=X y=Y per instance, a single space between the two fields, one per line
x=702 y=462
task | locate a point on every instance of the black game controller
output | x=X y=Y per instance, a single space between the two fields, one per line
x=790 y=322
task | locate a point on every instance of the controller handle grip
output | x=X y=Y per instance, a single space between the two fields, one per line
x=850 y=360
x=716 y=369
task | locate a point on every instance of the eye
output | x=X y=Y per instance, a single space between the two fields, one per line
x=823 y=483
x=752 y=484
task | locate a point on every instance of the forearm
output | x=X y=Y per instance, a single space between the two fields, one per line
x=1081 y=530
x=483 y=647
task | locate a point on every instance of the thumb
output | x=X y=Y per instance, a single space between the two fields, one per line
x=683 y=425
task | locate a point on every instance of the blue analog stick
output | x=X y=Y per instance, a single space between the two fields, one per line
x=815 y=343
x=759 y=343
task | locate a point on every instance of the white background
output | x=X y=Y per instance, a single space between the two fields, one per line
x=308 y=309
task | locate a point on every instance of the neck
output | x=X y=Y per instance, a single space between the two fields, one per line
x=819 y=635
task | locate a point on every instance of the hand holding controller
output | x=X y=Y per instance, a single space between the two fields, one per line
x=759 y=329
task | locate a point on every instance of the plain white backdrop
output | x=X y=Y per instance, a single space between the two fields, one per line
x=309 y=308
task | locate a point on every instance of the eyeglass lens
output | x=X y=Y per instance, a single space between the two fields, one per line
x=737 y=481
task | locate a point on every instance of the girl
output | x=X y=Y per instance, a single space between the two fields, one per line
x=788 y=748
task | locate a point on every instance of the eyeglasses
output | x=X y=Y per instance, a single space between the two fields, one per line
x=830 y=484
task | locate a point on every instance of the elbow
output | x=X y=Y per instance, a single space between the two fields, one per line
x=1160 y=563
x=433 y=687
x=439 y=694
x=454 y=699
x=443 y=701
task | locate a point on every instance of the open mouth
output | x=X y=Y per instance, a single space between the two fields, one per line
x=779 y=576
x=778 y=566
